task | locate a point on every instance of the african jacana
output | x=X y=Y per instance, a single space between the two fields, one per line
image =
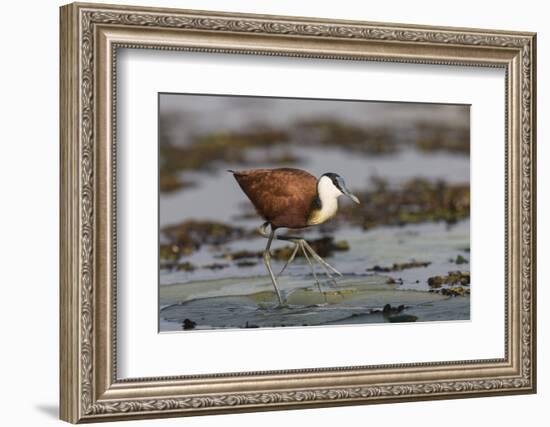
x=292 y=198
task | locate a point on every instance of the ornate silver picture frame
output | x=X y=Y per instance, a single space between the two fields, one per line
x=91 y=36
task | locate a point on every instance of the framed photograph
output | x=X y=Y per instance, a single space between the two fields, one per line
x=267 y=212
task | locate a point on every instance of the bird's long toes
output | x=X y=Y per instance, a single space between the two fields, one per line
x=332 y=282
x=335 y=272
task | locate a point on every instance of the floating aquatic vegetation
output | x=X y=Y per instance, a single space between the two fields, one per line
x=399 y=266
x=188 y=236
x=215 y=266
x=170 y=252
x=439 y=137
x=245 y=263
x=453 y=278
x=455 y=291
x=416 y=201
x=239 y=255
x=392 y=281
x=188 y=324
x=402 y=318
x=452 y=291
x=229 y=147
x=333 y=132
x=460 y=260
x=186 y=266
x=170 y=182
x=324 y=246
x=393 y=314
x=389 y=309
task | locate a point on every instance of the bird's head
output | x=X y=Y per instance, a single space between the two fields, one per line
x=333 y=185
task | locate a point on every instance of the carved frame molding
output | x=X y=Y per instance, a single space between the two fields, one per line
x=90 y=37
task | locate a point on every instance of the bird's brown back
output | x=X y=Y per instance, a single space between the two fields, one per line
x=283 y=197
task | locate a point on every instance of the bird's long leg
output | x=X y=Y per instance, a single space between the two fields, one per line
x=290 y=259
x=263 y=230
x=320 y=260
x=325 y=265
x=329 y=275
x=301 y=245
x=298 y=244
x=267 y=261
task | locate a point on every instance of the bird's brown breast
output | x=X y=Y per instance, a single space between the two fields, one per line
x=284 y=196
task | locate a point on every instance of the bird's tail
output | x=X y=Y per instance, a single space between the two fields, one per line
x=230 y=171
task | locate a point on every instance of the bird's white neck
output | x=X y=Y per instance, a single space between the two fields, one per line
x=328 y=195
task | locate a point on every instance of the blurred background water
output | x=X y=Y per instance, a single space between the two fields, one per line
x=409 y=164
